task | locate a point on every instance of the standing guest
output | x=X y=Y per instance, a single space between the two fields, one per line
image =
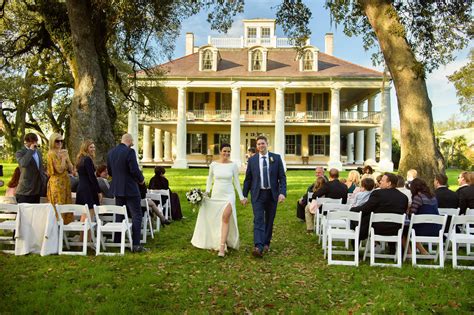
x=333 y=188
x=73 y=179
x=103 y=180
x=446 y=197
x=159 y=181
x=402 y=188
x=59 y=189
x=13 y=183
x=88 y=188
x=308 y=210
x=423 y=202
x=32 y=174
x=126 y=176
x=466 y=191
x=366 y=187
x=352 y=182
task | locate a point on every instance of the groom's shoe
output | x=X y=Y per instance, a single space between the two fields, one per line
x=257 y=253
x=266 y=249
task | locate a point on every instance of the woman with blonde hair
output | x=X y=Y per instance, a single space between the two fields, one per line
x=353 y=181
x=58 y=166
x=88 y=188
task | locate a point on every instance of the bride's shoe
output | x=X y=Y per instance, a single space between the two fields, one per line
x=222 y=250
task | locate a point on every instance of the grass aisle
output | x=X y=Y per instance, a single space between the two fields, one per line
x=176 y=278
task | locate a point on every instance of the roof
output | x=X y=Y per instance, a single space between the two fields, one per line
x=280 y=63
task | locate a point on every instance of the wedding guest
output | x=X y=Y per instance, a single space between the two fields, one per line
x=159 y=181
x=73 y=179
x=251 y=152
x=156 y=209
x=333 y=188
x=423 y=202
x=13 y=183
x=103 y=180
x=320 y=173
x=402 y=188
x=368 y=170
x=88 y=189
x=411 y=175
x=59 y=189
x=446 y=197
x=366 y=187
x=32 y=176
x=302 y=202
x=466 y=191
x=310 y=210
x=352 y=182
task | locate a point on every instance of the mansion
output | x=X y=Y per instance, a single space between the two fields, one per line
x=315 y=109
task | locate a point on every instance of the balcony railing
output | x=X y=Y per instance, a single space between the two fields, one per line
x=269 y=116
x=241 y=42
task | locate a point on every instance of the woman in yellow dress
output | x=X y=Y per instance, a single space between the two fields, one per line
x=59 y=187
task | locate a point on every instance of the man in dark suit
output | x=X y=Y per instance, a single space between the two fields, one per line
x=446 y=197
x=333 y=188
x=32 y=176
x=122 y=165
x=465 y=191
x=266 y=180
x=387 y=199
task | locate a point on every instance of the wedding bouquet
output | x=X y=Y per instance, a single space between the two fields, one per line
x=195 y=196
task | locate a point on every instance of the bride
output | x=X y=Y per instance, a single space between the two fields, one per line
x=216 y=224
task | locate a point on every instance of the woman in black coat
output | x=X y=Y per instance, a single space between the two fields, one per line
x=159 y=181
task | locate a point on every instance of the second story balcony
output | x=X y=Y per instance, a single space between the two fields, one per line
x=268 y=116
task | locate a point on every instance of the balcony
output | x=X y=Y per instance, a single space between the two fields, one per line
x=241 y=42
x=364 y=117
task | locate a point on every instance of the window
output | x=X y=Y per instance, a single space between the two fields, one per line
x=257 y=60
x=223 y=101
x=308 y=61
x=318 y=144
x=293 y=144
x=196 y=143
x=252 y=32
x=265 y=32
x=290 y=102
x=207 y=60
x=220 y=138
x=317 y=102
x=199 y=100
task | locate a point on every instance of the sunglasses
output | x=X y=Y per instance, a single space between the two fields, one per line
x=58 y=141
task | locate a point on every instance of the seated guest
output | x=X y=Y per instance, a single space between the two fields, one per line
x=368 y=170
x=159 y=181
x=352 y=182
x=411 y=175
x=309 y=213
x=366 y=187
x=13 y=183
x=446 y=198
x=466 y=191
x=402 y=188
x=377 y=176
x=102 y=179
x=387 y=199
x=423 y=202
x=156 y=210
x=320 y=173
x=301 y=204
x=333 y=188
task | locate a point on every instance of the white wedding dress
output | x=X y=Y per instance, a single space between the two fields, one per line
x=207 y=233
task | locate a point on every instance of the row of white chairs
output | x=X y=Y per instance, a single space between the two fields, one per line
x=335 y=219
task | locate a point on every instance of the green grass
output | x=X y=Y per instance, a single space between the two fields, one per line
x=175 y=277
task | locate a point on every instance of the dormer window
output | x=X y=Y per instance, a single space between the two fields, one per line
x=257 y=59
x=208 y=58
x=309 y=59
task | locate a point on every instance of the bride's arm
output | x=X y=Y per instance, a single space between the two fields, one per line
x=237 y=182
x=209 y=178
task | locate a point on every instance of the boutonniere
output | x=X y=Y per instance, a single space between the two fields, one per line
x=271 y=159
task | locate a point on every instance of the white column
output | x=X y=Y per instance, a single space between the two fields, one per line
x=386 y=163
x=350 y=148
x=181 y=161
x=173 y=146
x=167 y=157
x=146 y=144
x=158 y=156
x=235 y=127
x=370 y=136
x=359 y=149
x=280 y=122
x=335 y=131
x=133 y=123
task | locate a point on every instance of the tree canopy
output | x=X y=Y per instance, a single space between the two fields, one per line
x=463 y=80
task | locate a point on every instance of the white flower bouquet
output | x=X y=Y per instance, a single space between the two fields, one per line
x=195 y=196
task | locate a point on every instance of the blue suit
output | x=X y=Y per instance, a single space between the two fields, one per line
x=123 y=167
x=264 y=202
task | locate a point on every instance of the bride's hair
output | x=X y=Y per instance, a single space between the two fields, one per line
x=224 y=145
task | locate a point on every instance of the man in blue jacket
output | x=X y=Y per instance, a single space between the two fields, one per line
x=122 y=165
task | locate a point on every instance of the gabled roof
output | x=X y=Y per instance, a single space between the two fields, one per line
x=280 y=63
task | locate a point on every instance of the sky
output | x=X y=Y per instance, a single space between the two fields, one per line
x=441 y=92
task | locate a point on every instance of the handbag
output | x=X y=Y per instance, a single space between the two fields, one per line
x=313 y=206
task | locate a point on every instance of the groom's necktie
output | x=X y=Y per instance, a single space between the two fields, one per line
x=265 y=173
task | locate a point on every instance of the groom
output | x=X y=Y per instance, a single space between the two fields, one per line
x=266 y=180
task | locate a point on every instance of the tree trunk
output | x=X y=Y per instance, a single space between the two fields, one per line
x=89 y=112
x=418 y=145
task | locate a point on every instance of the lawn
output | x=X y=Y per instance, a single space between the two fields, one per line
x=177 y=278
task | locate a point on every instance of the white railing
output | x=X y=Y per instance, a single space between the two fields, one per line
x=241 y=42
x=257 y=115
x=361 y=116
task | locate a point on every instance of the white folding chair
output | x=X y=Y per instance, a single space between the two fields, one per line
x=426 y=219
x=317 y=217
x=450 y=212
x=330 y=207
x=469 y=230
x=309 y=198
x=456 y=238
x=146 y=222
x=372 y=238
x=155 y=195
x=343 y=234
x=108 y=202
x=8 y=215
x=75 y=226
x=9 y=200
x=123 y=227
x=44 y=200
x=165 y=205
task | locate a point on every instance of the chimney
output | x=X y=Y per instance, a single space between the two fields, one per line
x=189 y=43
x=329 y=43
